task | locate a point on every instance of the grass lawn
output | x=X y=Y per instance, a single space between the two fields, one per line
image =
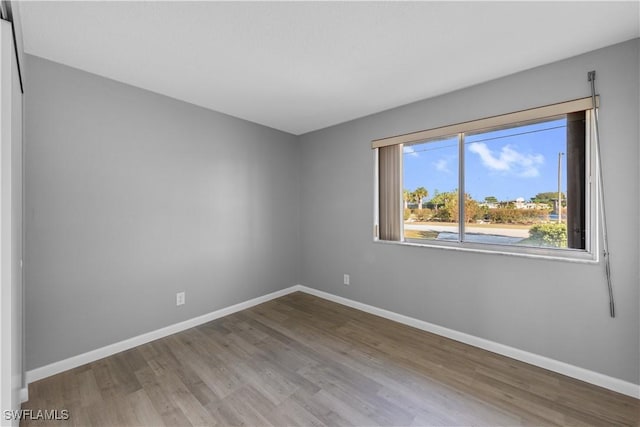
x=418 y=234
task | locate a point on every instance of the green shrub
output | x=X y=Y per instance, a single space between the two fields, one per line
x=552 y=234
x=423 y=214
x=515 y=216
x=443 y=214
x=407 y=214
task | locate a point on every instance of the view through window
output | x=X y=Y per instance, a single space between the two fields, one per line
x=524 y=185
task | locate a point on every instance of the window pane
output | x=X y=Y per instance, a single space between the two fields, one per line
x=516 y=185
x=430 y=182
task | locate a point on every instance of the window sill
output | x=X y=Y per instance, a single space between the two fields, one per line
x=567 y=255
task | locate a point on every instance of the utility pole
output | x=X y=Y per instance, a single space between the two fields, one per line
x=560 y=187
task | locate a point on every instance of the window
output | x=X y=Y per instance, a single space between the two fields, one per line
x=517 y=183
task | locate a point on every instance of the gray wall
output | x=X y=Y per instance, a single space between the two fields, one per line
x=552 y=308
x=132 y=197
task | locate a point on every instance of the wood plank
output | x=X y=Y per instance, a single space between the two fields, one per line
x=302 y=360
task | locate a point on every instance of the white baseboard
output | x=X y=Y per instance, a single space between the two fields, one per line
x=24 y=394
x=108 y=350
x=601 y=380
x=563 y=368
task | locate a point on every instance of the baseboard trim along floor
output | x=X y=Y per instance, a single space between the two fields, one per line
x=605 y=381
x=601 y=380
x=108 y=350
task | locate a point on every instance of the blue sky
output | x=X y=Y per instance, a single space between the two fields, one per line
x=507 y=164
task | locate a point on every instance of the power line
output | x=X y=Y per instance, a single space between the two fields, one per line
x=486 y=139
x=518 y=134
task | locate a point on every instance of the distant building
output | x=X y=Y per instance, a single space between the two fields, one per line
x=518 y=203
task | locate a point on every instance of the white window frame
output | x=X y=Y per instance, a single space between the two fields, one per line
x=588 y=255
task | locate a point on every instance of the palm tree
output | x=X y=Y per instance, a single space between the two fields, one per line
x=419 y=195
x=407 y=196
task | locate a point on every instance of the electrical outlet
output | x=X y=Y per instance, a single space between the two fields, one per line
x=346 y=279
x=180 y=298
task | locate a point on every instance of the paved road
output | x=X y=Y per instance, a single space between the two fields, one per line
x=511 y=232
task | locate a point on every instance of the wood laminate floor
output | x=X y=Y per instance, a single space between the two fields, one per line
x=301 y=360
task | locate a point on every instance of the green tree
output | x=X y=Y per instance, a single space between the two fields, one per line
x=431 y=204
x=548 y=197
x=407 y=196
x=491 y=199
x=441 y=203
x=440 y=199
x=419 y=194
x=446 y=205
x=472 y=210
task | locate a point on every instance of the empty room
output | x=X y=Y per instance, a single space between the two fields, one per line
x=319 y=213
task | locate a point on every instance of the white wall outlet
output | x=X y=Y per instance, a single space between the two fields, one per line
x=346 y=279
x=180 y=298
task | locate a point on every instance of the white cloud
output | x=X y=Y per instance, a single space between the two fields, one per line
x=508 y=160
x=407 y=149
x=442 y=165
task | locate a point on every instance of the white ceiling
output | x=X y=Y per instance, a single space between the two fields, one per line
x=302 y=66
